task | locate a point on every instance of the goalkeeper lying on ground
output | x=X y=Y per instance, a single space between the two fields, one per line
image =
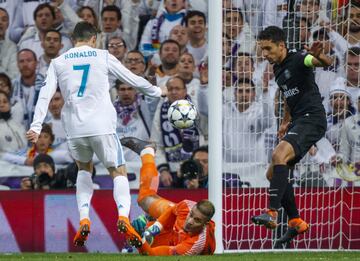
x=184 y=228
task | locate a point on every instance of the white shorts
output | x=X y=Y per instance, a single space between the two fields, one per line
x=106 y=147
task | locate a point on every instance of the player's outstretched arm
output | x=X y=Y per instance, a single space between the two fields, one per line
x=318 y=59
x=46 y=93
x=139 y=83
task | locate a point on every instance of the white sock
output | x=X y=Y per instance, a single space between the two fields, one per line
x=147 y=150
x=84 y=192
x=122 y=195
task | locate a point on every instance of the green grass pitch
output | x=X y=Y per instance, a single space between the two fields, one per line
x=278 y=256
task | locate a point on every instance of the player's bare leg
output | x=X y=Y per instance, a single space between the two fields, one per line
x=84 y=192
x=122 y=198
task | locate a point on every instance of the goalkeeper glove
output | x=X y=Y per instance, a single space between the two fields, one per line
x=139 y=224
x=151 y=232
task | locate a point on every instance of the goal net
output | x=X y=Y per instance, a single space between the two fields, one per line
x=327 y=193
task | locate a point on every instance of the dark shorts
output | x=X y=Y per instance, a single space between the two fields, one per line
x=303 y=133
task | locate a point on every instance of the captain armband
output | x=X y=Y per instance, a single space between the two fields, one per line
x=308 y=60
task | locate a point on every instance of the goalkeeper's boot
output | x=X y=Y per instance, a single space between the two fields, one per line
x=124 y=227
x=136 y=144
x=296 y=226
x=267 y=219
x=83 y=233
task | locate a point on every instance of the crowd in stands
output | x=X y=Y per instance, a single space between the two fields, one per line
x=165 y=41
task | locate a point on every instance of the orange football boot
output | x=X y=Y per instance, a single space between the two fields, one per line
x=83 y=233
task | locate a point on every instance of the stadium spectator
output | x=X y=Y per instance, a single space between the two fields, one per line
x=243 y=66
x=46 y=177
x=174 y=145
x=243 y=125
x=12 y=138
x=16 y=22
x=44 y=16
x=117 y=47
x=16 y=109
x=169 y=56
x=349 y=149
x=8 y=48
x=86 y=13
x=135 y=62
x=340 y=108
x=304 y=33
x=44 y=167
x=59 y=144
x=133 y=116
x=184 y=228
x=352 y=61
x=157 y=30
x=238 y=31
x=179 y=34
x=52 y=45
x=275 y=12
x=186 y=71
x=194 y=172
x=111 y=24
x=354 y=26
x=26 y=86
x=195 y=22
x=26 y=156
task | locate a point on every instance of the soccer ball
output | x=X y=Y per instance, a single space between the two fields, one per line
x=182 y=114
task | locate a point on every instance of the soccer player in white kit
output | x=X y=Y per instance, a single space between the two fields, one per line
x=89 y=119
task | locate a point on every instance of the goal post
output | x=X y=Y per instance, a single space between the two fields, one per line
x=243 y=119
x=215 y=129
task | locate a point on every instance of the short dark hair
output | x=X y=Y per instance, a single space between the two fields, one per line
x=176 y=77
x=6 y=78
x=206 y=208
x=135 y=51
x=235 y=10
x=244 y=54
x=43 y=6
x=83 y=31
x=116 y=37
x=44 y=158
x=78 y=12
x=204 y=148
x=6 y=12
x=321 y=34
x=47 y=129
x=273 y=33
x=6 y=95
x=112 y=8
x=54 y=31
x=193 y=13
x=26 y=50
x=354 y=51
x=169 y=41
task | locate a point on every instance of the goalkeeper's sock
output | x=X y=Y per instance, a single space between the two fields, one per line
x=84 y=192
x=278 y=185
x=149 y=178
x=288 y=202
x=121 y=195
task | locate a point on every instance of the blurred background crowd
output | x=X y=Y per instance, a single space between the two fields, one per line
x=165 y=41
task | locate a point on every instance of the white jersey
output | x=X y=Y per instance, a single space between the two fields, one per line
x=82 y=75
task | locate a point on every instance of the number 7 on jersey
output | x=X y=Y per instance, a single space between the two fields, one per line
x=85 y=68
